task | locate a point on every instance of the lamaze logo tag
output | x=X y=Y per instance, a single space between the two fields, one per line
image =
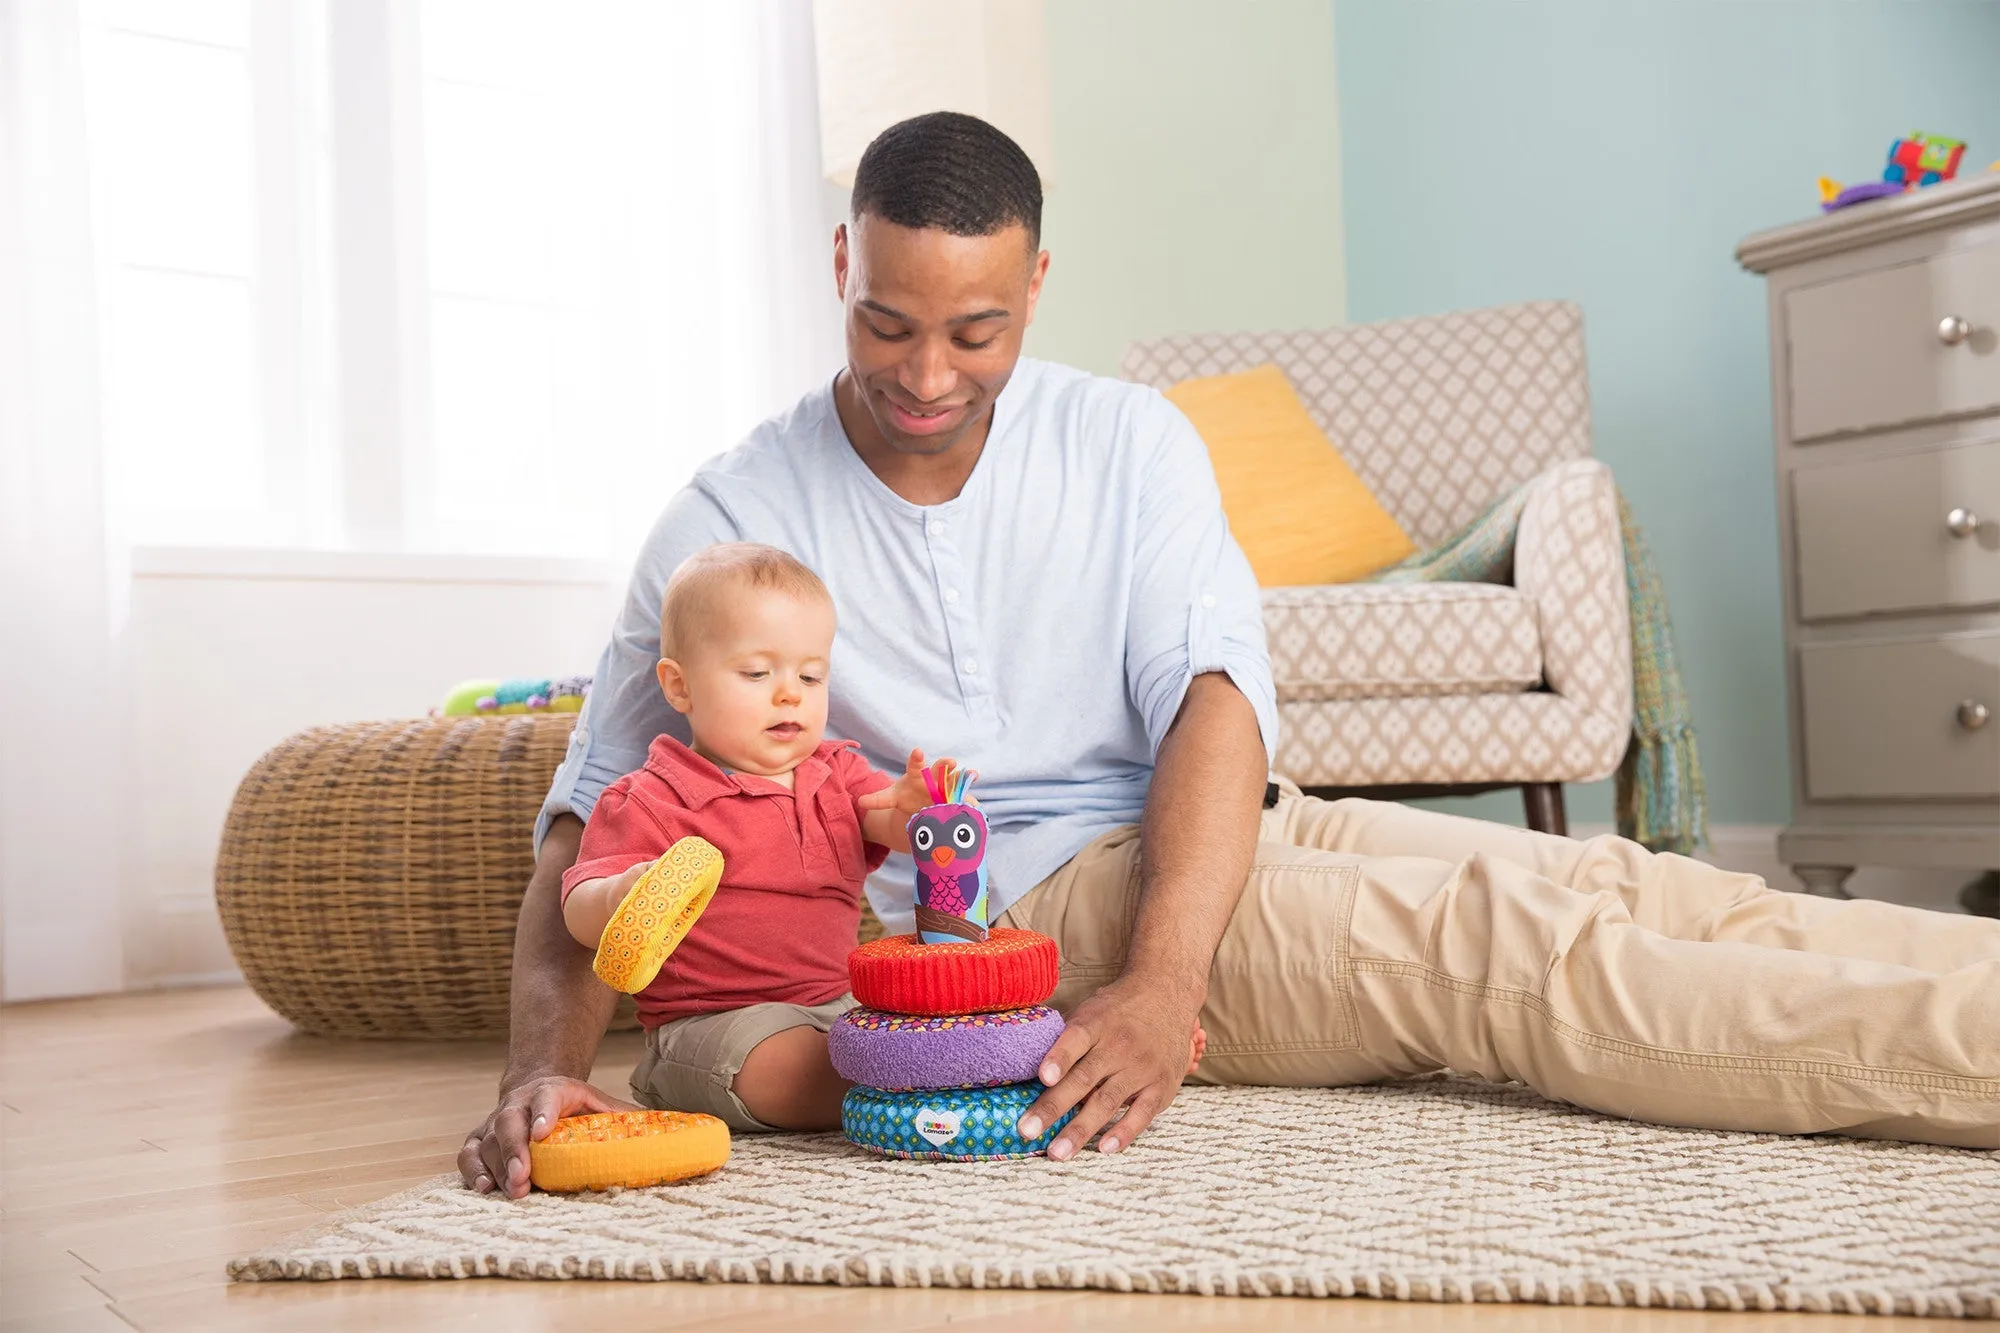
x=936 y=1127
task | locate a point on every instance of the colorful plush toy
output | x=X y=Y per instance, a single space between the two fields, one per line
x=523 y=694
x=948 y=843
x=1922 y=159
x=947 y=1084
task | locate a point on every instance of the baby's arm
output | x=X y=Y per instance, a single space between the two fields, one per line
x=589 y=907
x=622 y=839
x=885 y=813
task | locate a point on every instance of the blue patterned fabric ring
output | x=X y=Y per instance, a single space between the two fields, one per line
x=958 y=1125
x=906 y=1051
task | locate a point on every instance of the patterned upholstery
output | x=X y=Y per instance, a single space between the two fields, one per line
x=1439 y=415
x=1382 y=685
x=1383 y=641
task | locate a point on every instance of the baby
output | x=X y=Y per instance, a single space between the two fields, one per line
x=736 y=1020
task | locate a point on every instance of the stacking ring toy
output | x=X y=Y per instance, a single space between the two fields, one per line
x=959 y=1125
x=657 y=914
x=628 y=1148
x=1010 y=969
x=898 y=1051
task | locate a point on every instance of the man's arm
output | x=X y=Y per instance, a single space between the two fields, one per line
x=558 y=1012
x=1199 y=678
x=1128 y=1043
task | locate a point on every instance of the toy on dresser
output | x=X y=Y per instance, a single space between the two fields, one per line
x=1922 y=159
x=953 y=1020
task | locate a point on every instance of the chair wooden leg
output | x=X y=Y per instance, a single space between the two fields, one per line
x=1545 y=807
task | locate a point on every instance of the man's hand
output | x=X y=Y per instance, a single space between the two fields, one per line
x=558 y=1010
x=1126 y=1046
x=495 y=1155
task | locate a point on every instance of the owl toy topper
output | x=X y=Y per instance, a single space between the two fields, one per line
x=948 y=843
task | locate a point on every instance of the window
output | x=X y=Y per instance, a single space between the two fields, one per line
x=391 y=275
x=192 y=447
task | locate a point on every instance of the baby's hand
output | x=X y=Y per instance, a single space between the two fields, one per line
x=907 y=794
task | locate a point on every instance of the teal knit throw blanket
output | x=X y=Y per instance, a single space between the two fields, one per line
x=1662 y=802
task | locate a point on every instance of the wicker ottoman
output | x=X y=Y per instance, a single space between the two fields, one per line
x=370 y=874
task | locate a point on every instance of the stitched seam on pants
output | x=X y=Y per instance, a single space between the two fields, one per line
x=1910 y=1078
x=1269 y=1047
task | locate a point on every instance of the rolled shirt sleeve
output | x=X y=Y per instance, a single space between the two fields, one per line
x=626 y=710
x=1195 y=606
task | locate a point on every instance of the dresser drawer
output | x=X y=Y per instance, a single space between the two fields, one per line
x=1867 y=352
x=1879 y=536
x=1888 y=720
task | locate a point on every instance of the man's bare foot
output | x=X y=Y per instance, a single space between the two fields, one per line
x=1197 y=1048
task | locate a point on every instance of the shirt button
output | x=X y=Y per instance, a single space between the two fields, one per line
x=951 y=594
x=937 y=527
x=971 y=666
x=1208 y=599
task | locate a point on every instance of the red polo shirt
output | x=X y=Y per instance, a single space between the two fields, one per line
x=782 y=924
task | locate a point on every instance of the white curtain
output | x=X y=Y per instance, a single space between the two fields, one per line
x=733 y=311
x=63 y=806
x=713 y=308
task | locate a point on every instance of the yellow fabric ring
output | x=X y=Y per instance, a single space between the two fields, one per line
x=627 y=1148
x=657 y=914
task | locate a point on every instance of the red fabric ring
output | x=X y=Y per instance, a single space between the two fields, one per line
x=1012 y=969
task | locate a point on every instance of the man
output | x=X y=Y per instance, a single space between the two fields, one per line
x=1032 y=571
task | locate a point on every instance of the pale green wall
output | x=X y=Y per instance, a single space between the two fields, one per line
x=1197 y=174
x=1614 y=153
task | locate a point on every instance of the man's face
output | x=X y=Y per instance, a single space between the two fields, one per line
x=934 y=324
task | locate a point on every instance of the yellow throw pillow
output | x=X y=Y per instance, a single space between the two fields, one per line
x=1294 y=505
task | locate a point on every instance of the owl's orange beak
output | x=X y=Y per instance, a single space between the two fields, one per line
x=943 y=856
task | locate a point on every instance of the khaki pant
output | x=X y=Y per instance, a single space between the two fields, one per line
x=691 y=1064
x=1375 y=941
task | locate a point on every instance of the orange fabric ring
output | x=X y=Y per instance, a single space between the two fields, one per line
x=626 y=1148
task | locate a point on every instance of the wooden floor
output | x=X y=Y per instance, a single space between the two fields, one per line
x=146 y=1139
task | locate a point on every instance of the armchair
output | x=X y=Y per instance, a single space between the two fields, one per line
x=1401 y=690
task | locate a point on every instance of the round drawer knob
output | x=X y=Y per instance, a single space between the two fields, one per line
x=1953 y=330
x=1961 y=522
x=1972 y=715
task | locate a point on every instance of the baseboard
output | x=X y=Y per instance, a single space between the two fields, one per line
x=183 y=946
x=1752 y=849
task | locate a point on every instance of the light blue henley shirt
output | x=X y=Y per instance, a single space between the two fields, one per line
x=1041 y=627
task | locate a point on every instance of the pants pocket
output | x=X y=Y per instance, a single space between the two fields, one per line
x=1281 y=990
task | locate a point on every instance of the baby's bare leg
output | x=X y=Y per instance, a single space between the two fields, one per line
x=787 y=1081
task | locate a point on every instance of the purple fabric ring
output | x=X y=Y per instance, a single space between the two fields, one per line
x=903 y=1052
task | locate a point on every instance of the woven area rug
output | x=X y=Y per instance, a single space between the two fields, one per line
x=1437 y=1190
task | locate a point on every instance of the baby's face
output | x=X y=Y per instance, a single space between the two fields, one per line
x=753 y=680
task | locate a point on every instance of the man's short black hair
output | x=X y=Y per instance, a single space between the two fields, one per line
x=952 y=172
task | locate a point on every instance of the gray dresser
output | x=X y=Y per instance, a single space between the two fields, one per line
x=1885 y=366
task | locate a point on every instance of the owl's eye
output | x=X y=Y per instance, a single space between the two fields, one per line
x=924 y=839
x=964 y=835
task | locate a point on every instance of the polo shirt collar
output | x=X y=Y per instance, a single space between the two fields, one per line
x=697 y=780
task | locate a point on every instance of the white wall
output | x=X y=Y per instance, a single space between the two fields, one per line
x=234 y=651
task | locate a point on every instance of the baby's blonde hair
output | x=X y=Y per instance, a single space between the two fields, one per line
x=702 y=578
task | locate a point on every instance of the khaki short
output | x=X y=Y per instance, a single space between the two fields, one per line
x=691 y=1064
